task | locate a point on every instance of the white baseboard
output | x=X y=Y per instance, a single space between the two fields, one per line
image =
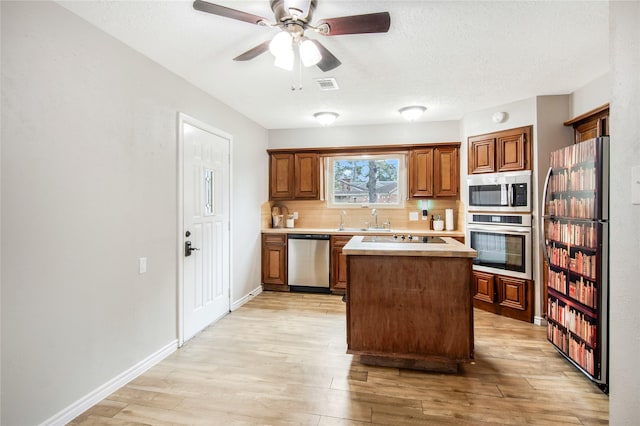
x=253 y=293
x=539 y=320
x=88 y=401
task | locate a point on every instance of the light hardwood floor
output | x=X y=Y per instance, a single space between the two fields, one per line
x=280 y=360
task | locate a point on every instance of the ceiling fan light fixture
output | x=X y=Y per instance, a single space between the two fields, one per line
x=412 y=113
x=281 y=44
x=285 y=60
x=326 y=118
x=309 y=53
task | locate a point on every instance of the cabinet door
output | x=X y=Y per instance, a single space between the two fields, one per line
x=338 y=263
x=512 y=292
x=274 y=260
x=421 y=172
x=593 y=128
x=483 y=287
x=511 y=152
x=482 y=154
x=307 y=177
x=445 y=161
x=281 y=172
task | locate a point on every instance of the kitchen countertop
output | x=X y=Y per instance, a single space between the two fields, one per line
x=358 y=231
x=450 y=248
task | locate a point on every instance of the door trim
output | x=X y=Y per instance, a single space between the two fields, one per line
x=186 y=119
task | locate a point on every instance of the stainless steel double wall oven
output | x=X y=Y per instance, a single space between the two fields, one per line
x=499 y=223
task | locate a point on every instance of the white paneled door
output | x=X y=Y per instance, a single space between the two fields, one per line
x=205 y=239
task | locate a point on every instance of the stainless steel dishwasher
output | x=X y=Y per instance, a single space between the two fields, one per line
x=308 y=261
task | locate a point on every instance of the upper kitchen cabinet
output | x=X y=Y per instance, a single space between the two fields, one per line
x=294 y=176
x=590 y=125
x=446 y=171
x=433 y=171
x=503 y=151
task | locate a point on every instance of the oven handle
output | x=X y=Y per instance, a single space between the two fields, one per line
x=543 y=241
x=501 y=229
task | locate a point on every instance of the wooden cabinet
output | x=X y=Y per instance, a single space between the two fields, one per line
x=274 y=262
x=503 y=151
x=590 y=125
x=502 y=295
x=281 y=173
x=433 y=172
x=483 y=287
x=482 y=156
x=421 y=172
x=307 y=176
x=294 y=176
x=338 y=277
x=446 y=171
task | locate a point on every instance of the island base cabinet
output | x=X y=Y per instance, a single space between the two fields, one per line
x=338 y=277
x=410 y=312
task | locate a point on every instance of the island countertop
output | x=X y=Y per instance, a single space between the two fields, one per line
x=385 y=247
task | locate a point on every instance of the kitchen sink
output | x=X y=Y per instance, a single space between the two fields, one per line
x=357 y=230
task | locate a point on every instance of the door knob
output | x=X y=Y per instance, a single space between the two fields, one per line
x=188 y=249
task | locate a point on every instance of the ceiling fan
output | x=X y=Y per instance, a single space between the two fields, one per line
x=293 y=17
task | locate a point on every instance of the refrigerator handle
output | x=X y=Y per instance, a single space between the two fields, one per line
x=543 y=241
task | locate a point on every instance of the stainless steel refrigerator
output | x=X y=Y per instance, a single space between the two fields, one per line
x=576 y=245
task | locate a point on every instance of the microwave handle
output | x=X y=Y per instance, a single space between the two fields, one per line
x=543 y=241
x=512 y=194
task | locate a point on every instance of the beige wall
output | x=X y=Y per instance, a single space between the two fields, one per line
x=89 y=130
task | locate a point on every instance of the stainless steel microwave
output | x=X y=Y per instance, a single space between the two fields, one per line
x=500 y=192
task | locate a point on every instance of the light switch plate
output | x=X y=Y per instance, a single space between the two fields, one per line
x=635 y=185
x=142 y=265
x=413 y=215
x=295 y=215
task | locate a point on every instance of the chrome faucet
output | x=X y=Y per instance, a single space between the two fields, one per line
x=374 y=213
x=342 y=215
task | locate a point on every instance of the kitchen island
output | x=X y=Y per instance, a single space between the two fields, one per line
x=409 y=302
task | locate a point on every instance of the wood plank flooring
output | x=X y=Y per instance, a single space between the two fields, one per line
x=280 y=360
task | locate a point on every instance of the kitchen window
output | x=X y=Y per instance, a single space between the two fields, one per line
x=366 y=180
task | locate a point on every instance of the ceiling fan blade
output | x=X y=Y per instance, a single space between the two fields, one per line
x=356 y=24
x=216 y=9
x=328 y=61
x=252 y=53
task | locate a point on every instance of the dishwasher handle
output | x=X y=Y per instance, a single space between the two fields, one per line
x=308 y=236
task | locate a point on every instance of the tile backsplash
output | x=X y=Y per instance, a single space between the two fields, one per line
x=315 y=214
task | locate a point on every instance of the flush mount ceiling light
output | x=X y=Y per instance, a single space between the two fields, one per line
x=412 y=113
x=326 y=118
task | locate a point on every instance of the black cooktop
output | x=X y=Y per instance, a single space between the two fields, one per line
x=402 y=239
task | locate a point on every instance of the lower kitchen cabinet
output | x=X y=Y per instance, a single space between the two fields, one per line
x=338 y=277
x=502 y=295
x=274 y=262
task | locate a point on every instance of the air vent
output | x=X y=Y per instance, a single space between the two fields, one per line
x=327 y=83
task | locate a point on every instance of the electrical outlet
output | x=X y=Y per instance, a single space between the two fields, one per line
x=413 y=216
x=295 y=215
x=142 y=265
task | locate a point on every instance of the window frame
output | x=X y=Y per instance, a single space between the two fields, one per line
x=403 y=166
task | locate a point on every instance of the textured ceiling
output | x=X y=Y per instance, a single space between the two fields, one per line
x=453 y=57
